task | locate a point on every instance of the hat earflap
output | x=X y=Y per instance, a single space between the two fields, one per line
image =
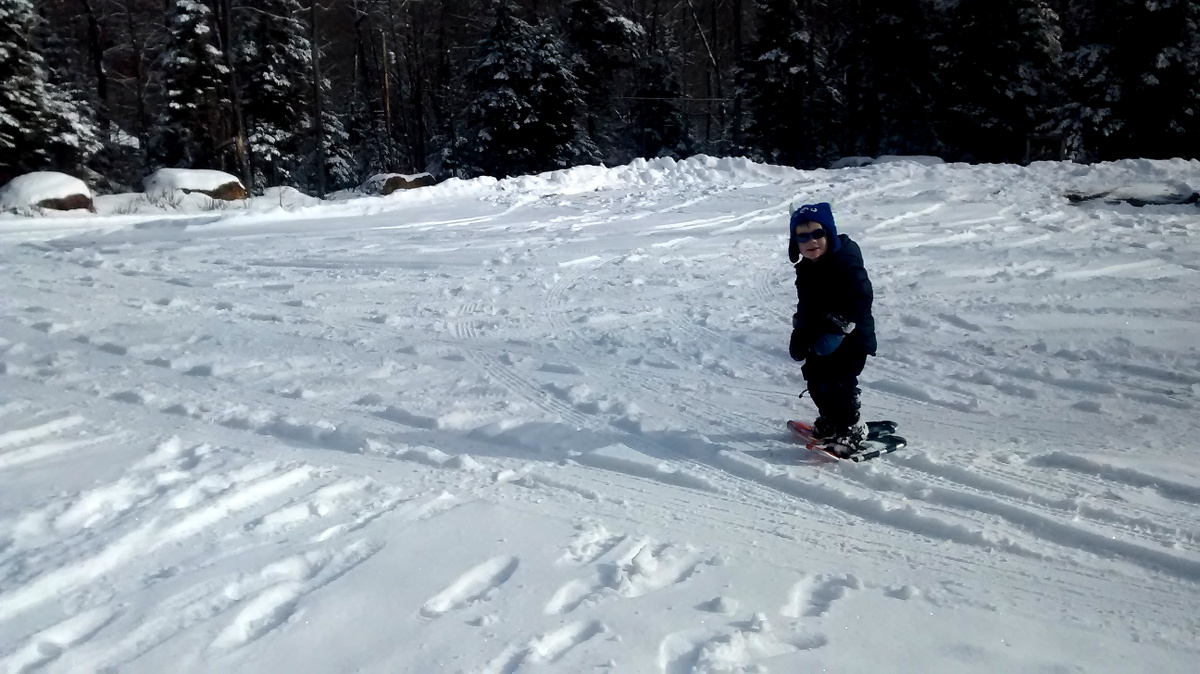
x=793 y=247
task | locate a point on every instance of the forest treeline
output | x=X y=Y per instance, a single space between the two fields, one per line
x=320 y=94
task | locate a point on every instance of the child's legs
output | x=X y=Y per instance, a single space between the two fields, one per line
x=833 y=385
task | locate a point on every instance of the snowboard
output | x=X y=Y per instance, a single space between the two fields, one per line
x=881 y=439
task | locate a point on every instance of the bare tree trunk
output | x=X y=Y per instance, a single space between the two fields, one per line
x=235 y=94
x=738 y=54
x=96 y=50
x=139 y=79
x=387 y=98
x=416 y=75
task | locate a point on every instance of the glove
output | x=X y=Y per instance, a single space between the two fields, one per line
x=825 y=344
x=797 y=348
x=839 y=325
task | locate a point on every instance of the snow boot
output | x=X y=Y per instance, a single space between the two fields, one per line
x=823 y=429
x=846 y=441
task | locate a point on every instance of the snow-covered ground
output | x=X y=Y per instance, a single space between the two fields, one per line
x=537 y=425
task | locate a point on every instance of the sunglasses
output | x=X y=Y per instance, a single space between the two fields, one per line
x=808 y=236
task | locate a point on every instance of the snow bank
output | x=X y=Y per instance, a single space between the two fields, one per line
x=662 y=172
x=45 y=189
x=216 y=184
x=559 y=419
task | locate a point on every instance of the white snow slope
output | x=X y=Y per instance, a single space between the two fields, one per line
x=537 y=425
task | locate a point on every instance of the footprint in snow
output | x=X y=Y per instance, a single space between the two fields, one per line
x=478 y=583
x=814 y=596
x=545 y=649
x=736 y=651
x=638 y=567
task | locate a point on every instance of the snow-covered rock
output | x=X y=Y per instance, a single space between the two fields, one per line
x=386 y=183
x=859 y=162
x=1141 y=194
x=216 y=184
x=45 y=189
x=923 y=160
x=852 y=162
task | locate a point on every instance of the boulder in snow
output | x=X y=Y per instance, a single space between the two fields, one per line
x=852 y=162
x=1141 y=194
x=858 y=162
x=922 y=159
x=215 y=184
x=45 y=189
x=386 y=183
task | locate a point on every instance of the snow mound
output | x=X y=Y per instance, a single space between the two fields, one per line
x=283 y=197
x=46 y=189
x=217 y=184
x=662 y=172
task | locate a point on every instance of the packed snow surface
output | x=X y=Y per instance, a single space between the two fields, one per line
x=31 y=189
x=538 y=425
x=167 y=180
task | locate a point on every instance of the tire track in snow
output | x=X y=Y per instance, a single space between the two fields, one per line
x=22 y=436
x=281 y=415
x=146 y=538
x=1179 y=491
x=49 y=644
x=1018 y=493
x=1037 y=525
x=524 y=387
x=872 y=509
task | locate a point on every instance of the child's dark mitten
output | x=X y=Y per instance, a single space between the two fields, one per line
x=797 y=348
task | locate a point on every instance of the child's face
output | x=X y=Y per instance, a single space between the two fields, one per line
x=816 y=246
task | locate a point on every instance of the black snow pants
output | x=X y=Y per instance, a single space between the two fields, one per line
x=833 y=384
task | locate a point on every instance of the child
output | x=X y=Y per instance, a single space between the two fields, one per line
x=832 y=329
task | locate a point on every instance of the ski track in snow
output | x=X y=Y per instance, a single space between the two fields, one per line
x=210 y=432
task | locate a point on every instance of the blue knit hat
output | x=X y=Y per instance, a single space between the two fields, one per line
x=822 y=214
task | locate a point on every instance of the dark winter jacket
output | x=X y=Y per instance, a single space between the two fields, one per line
x=835 y=283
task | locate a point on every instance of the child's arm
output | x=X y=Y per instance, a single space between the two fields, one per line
x=802 y=337
x=860 y=295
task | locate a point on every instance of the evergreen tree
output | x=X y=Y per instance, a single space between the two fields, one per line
x=522 y=118
x=886 y=65
x=193 y=124
x=370 y=125
x=558 y=99
x=339 y=160
x=41 y=126
x=657 y=123
x=1005 y=78
x=1135 y=77
x=274 y=57
x=787 y=90
x=603 y=43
